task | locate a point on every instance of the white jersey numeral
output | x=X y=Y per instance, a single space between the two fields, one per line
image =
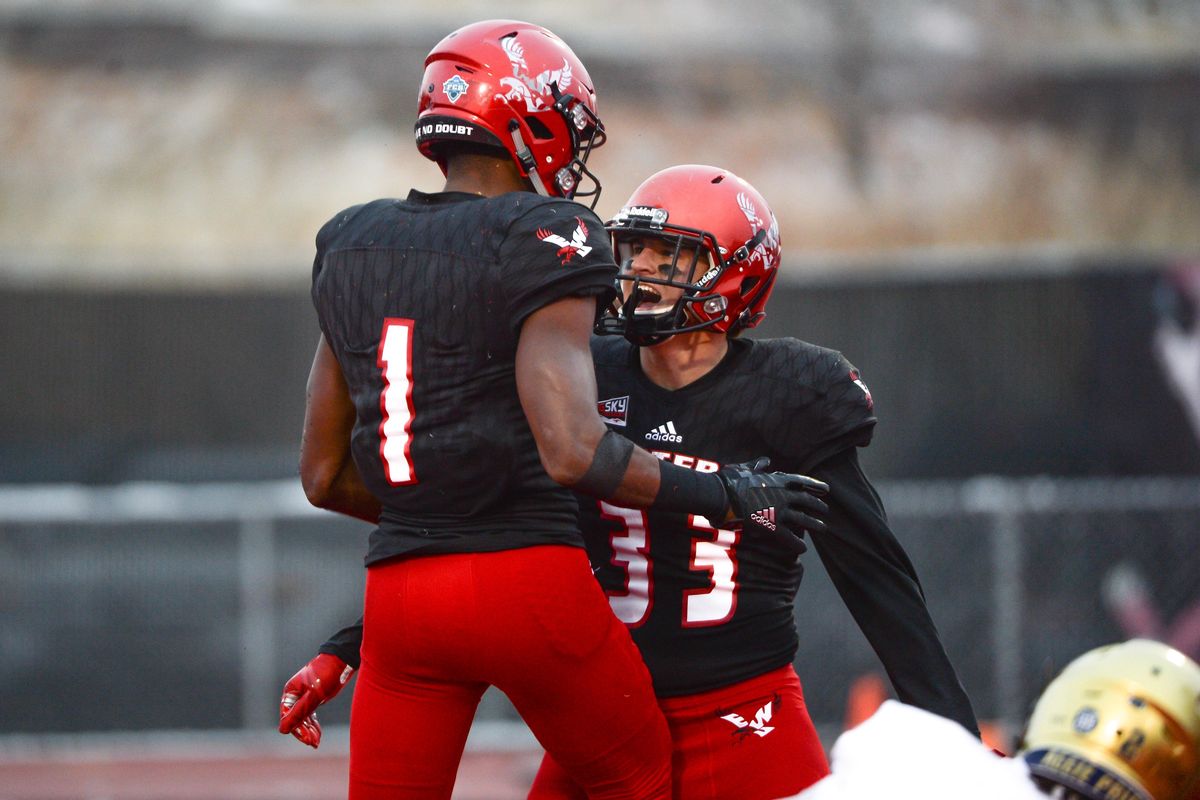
x=631 y=552
x=714 y=605
x=395 y=431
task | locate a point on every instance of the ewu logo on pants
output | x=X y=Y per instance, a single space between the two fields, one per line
x=664 y=433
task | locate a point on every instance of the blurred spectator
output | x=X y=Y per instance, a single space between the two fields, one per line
x=1128 y=599
x=1177 y=339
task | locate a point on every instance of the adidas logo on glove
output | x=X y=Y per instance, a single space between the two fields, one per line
x=765 y=517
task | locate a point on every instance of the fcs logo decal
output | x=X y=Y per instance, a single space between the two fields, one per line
x=1085 y=720
x=568 y=250
x=765 y=517
x=758 y=726
x=454 y=88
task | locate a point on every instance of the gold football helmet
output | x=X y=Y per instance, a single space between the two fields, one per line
x=1121 y=722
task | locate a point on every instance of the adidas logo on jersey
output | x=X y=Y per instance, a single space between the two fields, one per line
x=664 y=433
x=765 y=517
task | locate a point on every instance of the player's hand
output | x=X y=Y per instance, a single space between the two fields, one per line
x=317 y=682
x=778 y=505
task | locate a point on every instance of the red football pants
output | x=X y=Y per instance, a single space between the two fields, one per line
x=533 y=622
x=751 y=741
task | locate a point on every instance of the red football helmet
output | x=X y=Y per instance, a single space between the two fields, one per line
x=515 y=86
x=729 y=243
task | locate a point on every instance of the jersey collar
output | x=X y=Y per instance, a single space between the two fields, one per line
x=439 y=198
x=738 y=350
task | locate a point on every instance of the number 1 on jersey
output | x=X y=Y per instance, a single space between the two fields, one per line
x=395 y=431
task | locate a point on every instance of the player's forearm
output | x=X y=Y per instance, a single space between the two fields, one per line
x=600 y=463
x=327 y=471
x=649 y=482
x=557 y=385
x=331 y=481
x=348 y=495
x=607 y=466
x=639 y=485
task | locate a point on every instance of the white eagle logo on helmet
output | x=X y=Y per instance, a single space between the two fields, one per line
x=770 y=241
x=514 y=51
x=523 y=87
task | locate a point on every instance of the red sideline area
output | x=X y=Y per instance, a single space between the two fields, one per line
x=179 y=766
x=500 y=762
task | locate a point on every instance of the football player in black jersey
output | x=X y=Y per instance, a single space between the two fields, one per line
x=451 y=402
x=711 y=609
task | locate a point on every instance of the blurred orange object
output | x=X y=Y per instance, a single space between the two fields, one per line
x=995 y=737
x=868 y=691
x=866 y=695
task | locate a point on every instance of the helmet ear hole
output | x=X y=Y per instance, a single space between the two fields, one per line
x=538 y=128
x=748 y=284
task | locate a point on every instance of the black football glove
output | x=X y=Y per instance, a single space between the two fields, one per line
x=777 y=505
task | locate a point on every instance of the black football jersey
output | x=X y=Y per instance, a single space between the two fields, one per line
x=706 y=607
x=422 y=301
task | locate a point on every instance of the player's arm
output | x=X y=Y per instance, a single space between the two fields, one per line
x=327 y=471
x=879 y=585
x=557 y=385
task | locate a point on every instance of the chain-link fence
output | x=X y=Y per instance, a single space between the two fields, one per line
x=157 y=606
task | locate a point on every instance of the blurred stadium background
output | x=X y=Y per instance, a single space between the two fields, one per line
x=992 y=207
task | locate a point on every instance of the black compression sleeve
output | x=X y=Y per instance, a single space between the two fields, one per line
x=608 y=466
x=879 y=585
x=682 y=489
x=345 y=644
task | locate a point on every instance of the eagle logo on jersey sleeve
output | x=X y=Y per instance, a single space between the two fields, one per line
x=859 y=381
x=568 y=250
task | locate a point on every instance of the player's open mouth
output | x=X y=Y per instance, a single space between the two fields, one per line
x=647 y=300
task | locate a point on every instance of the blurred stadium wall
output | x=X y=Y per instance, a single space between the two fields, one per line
x=991 y=207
